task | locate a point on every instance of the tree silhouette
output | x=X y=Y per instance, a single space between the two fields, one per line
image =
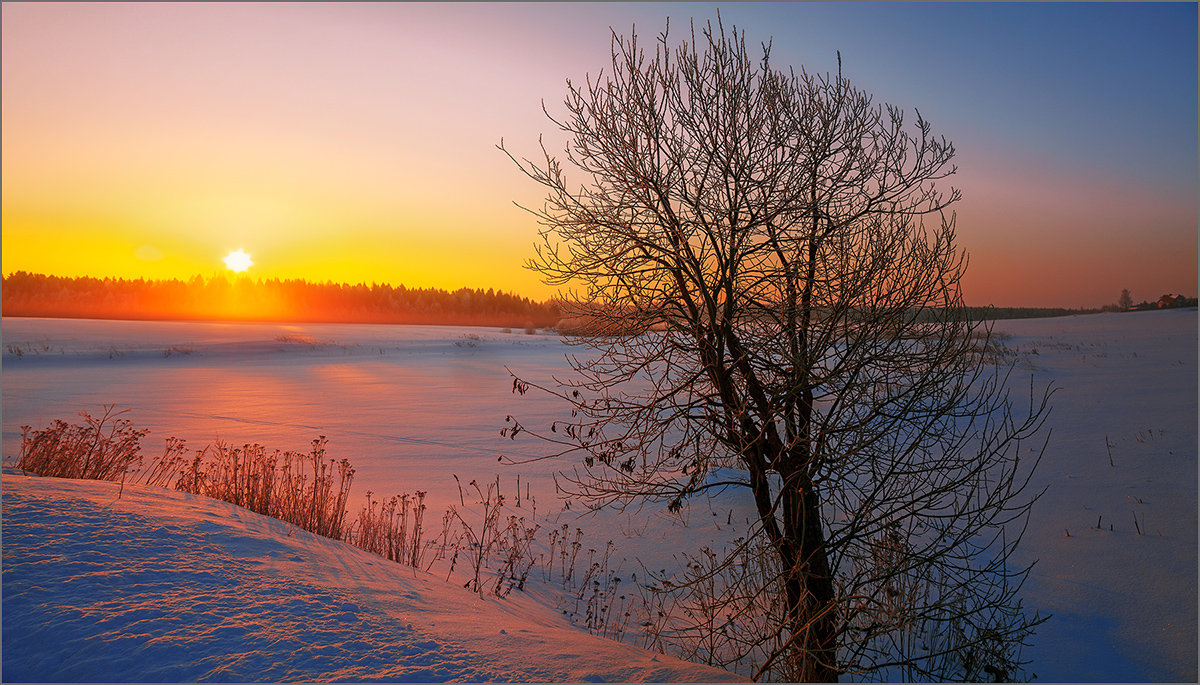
x=763 y=306
x=1125 y=302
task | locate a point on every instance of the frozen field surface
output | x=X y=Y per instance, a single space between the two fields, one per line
x=407 y=405
x=412 y=406
x=1123 y=602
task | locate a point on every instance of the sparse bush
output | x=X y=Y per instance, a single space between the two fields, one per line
x=483 y=540
x=598 y=593
x=469 y=340
x=515 y=555
x=101 y=448
x=385 y=529
x=275 y=484
x=562 y=554
x=164 y=469
x=448 y=543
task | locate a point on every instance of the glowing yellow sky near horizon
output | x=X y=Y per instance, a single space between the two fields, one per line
x=116 y=165
x=292 y=233
x=356 y=143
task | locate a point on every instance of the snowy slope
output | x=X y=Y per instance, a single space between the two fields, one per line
x=165 y=586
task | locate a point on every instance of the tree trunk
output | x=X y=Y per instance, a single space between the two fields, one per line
x=809 y=586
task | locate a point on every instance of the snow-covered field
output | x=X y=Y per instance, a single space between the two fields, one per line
x=164 y=586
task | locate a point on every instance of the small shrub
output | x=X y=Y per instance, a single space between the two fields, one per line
x=383 y=528
x=483 y=540
x=516 y=555
x=103 y=448
x=311 y=491
x=163 y=469
x=275 y=484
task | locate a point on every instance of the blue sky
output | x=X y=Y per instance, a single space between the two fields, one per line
x=1089 y=83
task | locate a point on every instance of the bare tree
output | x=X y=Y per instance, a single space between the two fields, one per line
x=1125 y=302
x=764 y=306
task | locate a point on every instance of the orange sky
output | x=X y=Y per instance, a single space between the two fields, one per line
x=355 y=142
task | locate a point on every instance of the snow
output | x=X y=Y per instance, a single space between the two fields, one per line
x=156 y=585
x=136 y=579
x=1124 y=603
x=392 y=399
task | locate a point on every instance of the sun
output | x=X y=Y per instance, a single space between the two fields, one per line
x=238 y=261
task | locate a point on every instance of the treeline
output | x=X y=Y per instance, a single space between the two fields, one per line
x=245 y=299
x=221 y=298
x=998 y=313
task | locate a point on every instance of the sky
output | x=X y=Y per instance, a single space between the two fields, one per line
x=357 y=142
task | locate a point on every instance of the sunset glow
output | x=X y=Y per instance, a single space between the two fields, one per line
x=238 y=261
x=323 y=134
x=787 y=314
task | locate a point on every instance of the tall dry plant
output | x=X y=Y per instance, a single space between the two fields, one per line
x=383 y=527
x=275 y=483
x=100 y=448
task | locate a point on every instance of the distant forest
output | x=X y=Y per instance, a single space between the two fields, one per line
x=241 y=298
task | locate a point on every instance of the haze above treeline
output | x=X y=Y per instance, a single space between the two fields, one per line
x=241 y=298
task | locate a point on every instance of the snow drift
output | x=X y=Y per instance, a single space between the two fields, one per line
x=156 y=585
